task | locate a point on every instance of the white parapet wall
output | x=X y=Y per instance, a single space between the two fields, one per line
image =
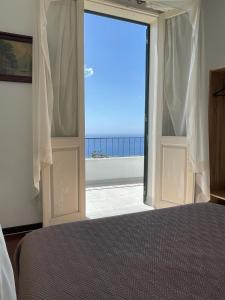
x=114 y=170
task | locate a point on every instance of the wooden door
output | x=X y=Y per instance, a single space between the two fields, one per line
x=63 y=183
x=171 y=181
x=177 y=181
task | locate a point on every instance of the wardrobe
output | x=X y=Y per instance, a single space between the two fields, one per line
x=217 y=135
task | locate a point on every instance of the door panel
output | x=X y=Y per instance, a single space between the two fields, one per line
x=177 y=179
x=173 y=174
x=63 y=182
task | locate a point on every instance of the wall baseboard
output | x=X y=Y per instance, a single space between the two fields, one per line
x=21 y=229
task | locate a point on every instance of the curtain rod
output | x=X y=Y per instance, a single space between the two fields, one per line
x=173 y=13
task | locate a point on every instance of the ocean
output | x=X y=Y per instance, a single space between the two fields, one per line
x=113 y=146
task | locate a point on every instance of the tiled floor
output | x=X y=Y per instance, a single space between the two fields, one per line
x=105 y=201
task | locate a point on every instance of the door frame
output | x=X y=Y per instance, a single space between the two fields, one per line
x=153 y=163
x=147 y=106
x=121 y=12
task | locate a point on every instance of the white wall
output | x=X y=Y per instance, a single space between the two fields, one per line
x=116 y=169
x=17 y=205
x=215 y=33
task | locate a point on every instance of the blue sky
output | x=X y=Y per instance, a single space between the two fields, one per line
x=114 y=76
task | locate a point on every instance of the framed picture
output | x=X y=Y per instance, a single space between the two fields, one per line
x=15 y=57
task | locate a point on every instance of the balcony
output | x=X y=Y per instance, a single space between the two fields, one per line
x=114 y=176
x=103 y=147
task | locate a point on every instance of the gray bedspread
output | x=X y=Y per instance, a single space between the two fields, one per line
x=175 y=253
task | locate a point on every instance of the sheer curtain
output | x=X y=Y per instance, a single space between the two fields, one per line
x=176 y=69
x=189 y=118
x=61 y=34
x=185 y=83
x=54 y=77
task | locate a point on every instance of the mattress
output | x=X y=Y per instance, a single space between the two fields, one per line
x=175 y=253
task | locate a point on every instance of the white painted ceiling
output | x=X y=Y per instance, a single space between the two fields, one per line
x=155 y=8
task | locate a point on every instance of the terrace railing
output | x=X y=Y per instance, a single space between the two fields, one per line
x=102 y=147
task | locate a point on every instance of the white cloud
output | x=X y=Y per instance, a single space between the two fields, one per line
x=88 y=72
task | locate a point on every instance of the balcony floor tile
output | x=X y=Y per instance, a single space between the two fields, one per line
x=105 y=201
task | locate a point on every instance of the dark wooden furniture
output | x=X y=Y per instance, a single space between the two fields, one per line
x=11 y=243
x=217 y=135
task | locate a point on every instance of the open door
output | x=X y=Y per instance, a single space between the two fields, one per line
x=171 y=181
x=63 y=186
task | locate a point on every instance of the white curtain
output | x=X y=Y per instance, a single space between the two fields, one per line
x=176 y=70
x=62 y=41
x=54 y=77
x=185 y=84
x=7 y=284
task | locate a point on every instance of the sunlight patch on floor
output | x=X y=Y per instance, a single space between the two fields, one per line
x=105 y=201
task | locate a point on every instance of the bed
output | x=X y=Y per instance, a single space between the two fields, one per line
x=174 y=253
